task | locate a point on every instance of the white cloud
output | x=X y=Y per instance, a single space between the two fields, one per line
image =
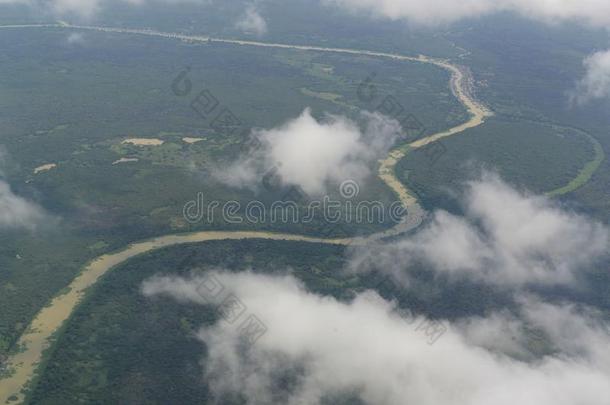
x=499 y=332
x=80 y=8
x=433 y=12
x=312 y=154
x=364 y=347
x=428 y=12
x=251 y=22
x=85 y=8
x=596 y=82
x=506 y=237
x=17 y=212
x=75 y=38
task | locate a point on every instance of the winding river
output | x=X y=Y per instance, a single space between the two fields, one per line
x=37 y=337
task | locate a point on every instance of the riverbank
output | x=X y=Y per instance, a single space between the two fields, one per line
x=49 y=320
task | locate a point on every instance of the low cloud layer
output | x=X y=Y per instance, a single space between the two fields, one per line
x=316 y=347
x=252 y=22
x=427 y=12
x=433 y=12
x=75 y=38
x=506 y=237
x=82 y=8
x=17 y=212
x=595 y=84
x=313 y=154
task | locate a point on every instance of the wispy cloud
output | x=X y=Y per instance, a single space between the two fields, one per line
x=252 y=22
x=75 y=38
x=426 y=12
x=506 y=237
x=434 y=12
x=82 y=8
x=595 y=84
x=16 y=212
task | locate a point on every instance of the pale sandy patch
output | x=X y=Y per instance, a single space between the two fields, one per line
x=125 y=160
x=191 y=140
x=144 y=141
x=45 y=168
x=48 y=321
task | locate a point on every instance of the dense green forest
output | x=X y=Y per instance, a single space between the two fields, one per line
x=73 y=105
x=118 y=86
x=121 y=347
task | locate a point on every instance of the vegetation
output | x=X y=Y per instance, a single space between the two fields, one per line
x=121 y=347
x=539 y=157
x=586 y=172
x=73 y=105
